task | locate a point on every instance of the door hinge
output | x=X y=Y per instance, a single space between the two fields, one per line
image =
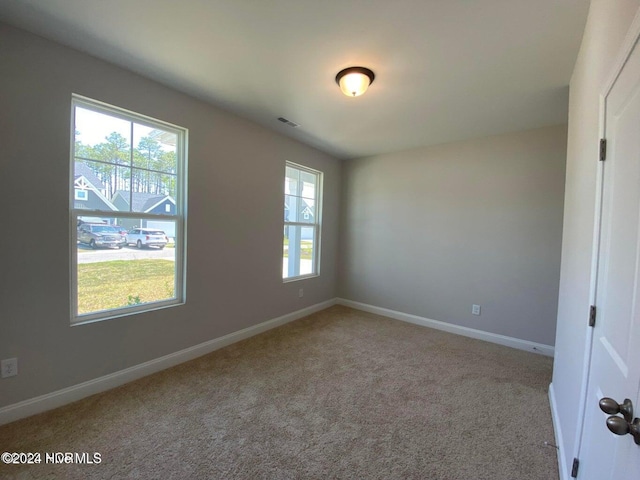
x=603 y=149
x=592 y=316
x=574 y=468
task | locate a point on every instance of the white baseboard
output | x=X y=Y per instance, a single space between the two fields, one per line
x=540 y=348
x=67 y=395
x=563 y=467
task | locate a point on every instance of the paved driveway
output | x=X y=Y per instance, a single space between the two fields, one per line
x=86 y=255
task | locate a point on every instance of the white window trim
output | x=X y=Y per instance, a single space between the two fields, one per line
x=317 y=222
x=180 y=217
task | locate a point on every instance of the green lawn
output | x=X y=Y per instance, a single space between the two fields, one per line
x=306 y=249
x=106 y=285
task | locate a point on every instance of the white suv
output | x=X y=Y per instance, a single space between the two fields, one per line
x=147 y=237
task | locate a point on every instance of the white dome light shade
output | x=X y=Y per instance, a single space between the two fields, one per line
x=354 y=81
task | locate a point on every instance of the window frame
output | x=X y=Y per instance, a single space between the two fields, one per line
x=180 y=217
x=317 y=224
x=79 y=197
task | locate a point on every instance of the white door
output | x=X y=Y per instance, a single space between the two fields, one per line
x=615 y=361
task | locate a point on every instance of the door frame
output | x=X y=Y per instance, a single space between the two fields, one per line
x=631 y=39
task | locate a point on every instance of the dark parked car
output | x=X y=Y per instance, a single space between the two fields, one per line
x=121 y=229
x=100 y=235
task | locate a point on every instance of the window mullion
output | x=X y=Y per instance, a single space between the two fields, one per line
x=131 y=168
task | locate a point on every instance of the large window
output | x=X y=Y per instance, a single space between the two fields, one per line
x=127 y=203
x=302 y=210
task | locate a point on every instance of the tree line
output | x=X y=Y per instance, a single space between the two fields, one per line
x=153 y=169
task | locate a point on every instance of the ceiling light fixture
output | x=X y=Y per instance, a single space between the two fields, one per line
x=354 y=81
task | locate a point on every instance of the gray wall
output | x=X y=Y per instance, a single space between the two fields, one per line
x=432 y=231
x=428 y=231
x=236 y=178
x=604 y=33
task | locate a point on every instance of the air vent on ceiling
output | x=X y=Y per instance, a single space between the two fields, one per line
x=288 y=122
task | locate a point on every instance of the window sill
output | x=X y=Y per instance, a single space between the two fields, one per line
x=94 y=318
x=301 y=277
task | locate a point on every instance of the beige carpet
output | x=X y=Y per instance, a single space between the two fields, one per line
x=339 y=394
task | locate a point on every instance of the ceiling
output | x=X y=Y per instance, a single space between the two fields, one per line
x=446 y=70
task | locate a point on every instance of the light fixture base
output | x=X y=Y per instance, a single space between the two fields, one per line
x=358 y=85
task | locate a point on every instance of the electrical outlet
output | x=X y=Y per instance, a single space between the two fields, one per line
x=300 y=292
x=9 y=367
x=475 y=309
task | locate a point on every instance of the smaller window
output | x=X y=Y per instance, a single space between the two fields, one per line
x=82 y=194
x=302 y=207
x=167 y=208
